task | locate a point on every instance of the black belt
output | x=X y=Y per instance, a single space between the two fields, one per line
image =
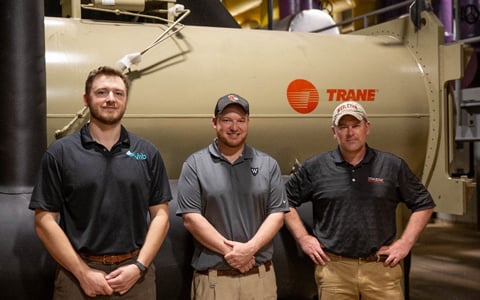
x=235 y=272
x=372 y=258
x=110 y=259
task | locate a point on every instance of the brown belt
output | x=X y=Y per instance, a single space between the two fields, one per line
x=110 y=259
x=372 y=258
x=235 y=272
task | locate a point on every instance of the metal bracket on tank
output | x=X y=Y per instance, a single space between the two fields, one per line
x=80 y=116
x=416 y=9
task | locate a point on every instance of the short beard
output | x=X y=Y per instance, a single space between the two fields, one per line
x=110 y=120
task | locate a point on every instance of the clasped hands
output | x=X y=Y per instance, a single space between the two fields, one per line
x=241 y=255
x=96 y=282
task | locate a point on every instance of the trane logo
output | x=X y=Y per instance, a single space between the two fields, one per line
x=351 y=94
x=304 y=97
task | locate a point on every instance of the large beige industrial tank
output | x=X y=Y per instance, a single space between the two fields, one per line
x=292 y=80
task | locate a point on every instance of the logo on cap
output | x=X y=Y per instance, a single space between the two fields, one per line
x=348 y=108
x=229 y=99
x=233 y=98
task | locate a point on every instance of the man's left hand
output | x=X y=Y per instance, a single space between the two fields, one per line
x=124 y=278
x=395 y=252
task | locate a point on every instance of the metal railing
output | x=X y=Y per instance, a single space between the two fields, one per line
x=367 y=15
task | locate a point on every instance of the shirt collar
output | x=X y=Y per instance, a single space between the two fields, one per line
x=338 y=158
x=88 y=142
x=214 y=151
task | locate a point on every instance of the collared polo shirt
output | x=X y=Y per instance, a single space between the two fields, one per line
x=235 y=198
x=102 y=196
x=354 y=207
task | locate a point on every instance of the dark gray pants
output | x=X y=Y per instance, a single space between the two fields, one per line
x=68 y=288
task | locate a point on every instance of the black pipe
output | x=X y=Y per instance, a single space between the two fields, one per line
x=22 y=94
x=26 y=267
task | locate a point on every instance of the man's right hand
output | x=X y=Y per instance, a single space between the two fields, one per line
x=93 y=283
x=312 y=247
x=247 y=266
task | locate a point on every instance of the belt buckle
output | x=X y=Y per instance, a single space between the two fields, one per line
x=104 y=260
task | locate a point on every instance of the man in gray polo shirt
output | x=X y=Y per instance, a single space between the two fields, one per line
x=232 y=200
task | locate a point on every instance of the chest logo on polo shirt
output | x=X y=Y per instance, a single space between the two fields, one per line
x=375 y=180
x=137 y=156
x=254 y=171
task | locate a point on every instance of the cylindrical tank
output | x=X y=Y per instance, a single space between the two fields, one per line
x=176 y=85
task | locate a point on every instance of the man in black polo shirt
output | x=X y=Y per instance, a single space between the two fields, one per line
x=105 y=184
x=354 y=191
x=232 y=199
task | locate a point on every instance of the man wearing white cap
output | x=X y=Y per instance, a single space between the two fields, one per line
x=354 y=191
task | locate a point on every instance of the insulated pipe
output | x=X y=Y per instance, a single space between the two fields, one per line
x=26 y=267
x=22 y=90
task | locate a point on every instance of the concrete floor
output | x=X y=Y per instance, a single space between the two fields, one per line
x=446 y=263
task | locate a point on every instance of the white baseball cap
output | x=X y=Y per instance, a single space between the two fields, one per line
x=351 y=108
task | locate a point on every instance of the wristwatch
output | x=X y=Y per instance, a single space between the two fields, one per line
x=142 y=268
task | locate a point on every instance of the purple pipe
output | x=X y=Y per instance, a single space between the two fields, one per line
x=291 y=7
x=444 y=11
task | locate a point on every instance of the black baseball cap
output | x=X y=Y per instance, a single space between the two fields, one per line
x=228 y=99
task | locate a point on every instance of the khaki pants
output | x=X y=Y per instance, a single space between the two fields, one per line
x=68 y=288
x=347 y=279
x=261 y=286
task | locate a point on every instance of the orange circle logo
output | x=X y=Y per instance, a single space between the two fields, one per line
x=302 y=96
